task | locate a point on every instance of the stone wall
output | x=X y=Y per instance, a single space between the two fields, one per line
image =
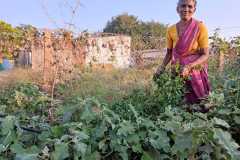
x=97 y=51
x=109 y=51
x=58 y=54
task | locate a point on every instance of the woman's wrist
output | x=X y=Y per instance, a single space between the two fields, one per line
x=190 y=66
x=160 y=68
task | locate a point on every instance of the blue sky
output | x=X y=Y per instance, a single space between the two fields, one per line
x=94 y=14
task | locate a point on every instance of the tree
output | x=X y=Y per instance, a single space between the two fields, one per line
x=220 y=46
x=10 y=39
x=28 y=34
x=145 y=35
x=154 y=34
x=123 y=24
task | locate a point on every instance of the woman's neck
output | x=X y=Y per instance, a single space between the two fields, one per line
x=185 y=22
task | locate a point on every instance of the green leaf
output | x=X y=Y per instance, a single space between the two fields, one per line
x=164 y=157
x=226 y=141
x=137 y=148
x=225 y=111
x=160 y=140
x=88 y=115
x=236 y=119
x=26 y=157
x=206 y=149
x=33 y=150
x=220 y=122
x=17 y=148
x=205 y=156
x=173 y=126
x=9 y=138
x=126 y=128
x=133 y=139
x=44 y=136
x=147 y=123
x=57 y=131
x=102 y=145
x=110 y=121
x=93 y=156
x=134 y=111
x=155 y=143
x=146 y=156
x=60 y=152
x=124 y=155
x=2 y=148
x=123 y=152
x=100 y=130
x=183 y=142
x=80 y=148
x=82 y=136
x=8 y=124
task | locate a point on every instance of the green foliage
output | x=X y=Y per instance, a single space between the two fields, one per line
x=170 y=89
x=236 y=45
x=226 y=97
x=122 y=24
x=28 y=33
x=10 y=39
x=27 y=97
x=165 y=91
x=145 y=35
x=225 y=139
x=105 y=135
x=147 y=124
x=13 y=39
x=219 y=45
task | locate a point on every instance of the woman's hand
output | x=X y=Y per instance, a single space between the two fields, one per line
x=186 y=71
x=160 y=70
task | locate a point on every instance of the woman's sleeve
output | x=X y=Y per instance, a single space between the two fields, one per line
x=169 y=40
x=203 y=36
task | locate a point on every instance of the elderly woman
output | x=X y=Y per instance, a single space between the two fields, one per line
x=187 y=45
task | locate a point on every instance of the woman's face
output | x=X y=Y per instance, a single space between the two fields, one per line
x=186 y=9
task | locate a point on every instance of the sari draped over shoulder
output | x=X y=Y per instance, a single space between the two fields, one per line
x=198 y=86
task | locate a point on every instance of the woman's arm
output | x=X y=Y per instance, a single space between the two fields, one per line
x=166 y=60
x=201 y=60
x=168 y=55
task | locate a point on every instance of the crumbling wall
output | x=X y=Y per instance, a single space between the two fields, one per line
x=97 y=51
x=107 y=51
x=37 y=58
x=57 y=54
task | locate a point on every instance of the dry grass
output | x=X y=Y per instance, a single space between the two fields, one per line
x=107 y=85
x=103 y=84
x=18 y=75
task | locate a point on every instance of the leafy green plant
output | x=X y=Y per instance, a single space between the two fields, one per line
x=27 y=97
x=147 y=123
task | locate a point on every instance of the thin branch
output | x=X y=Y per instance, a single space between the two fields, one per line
x=73 y=10
x=45 y=9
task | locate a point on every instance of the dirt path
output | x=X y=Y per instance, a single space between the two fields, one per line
x=4 y=75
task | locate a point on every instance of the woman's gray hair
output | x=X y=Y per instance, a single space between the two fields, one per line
x=195 y=2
